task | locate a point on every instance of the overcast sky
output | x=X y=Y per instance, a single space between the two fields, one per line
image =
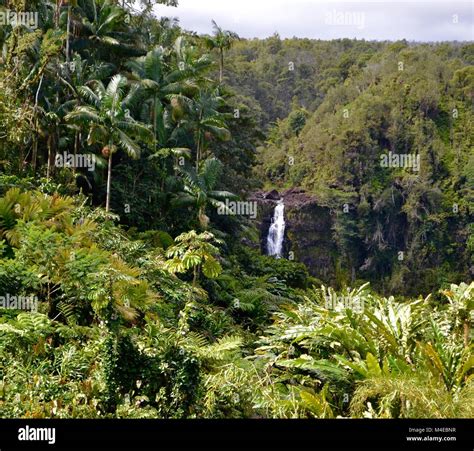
x=424 y=20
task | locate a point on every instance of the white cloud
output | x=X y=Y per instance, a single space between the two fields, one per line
x=419 y=20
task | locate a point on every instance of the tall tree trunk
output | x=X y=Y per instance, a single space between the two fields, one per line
x=34 y=155
x=199 y=143
x=195 y=276
x=57 y=13
x=109 y=180
x=221 y=66
x=198 y=152
x=36 y=131
x=199 y=149
x=48 y=169
x=68 y=31
x=154 y=120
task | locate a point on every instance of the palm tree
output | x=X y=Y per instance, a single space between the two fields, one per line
x=221 y=40
x=100 y=29
x=163 y=85
x=199 y=189
x=70 y=5
x=108 y=119
x=205 y=121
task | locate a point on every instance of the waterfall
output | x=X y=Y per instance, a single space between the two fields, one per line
x=276 y=233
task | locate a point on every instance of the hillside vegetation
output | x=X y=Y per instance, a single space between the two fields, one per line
x=406 y=229
x=128 y=289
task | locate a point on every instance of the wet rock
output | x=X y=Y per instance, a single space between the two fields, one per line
x=272 y=195
x=308 y=232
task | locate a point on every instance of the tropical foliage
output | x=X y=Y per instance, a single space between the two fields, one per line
x=129 y=288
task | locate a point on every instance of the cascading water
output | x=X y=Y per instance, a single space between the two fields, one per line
x=276 y=233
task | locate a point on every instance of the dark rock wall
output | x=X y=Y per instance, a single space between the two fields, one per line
x=308 y=230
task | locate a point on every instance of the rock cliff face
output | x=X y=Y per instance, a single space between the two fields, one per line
x=308 y=230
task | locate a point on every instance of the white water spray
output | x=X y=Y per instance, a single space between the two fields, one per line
x=276 y=233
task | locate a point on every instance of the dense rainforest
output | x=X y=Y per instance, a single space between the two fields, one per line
x=130 y=285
